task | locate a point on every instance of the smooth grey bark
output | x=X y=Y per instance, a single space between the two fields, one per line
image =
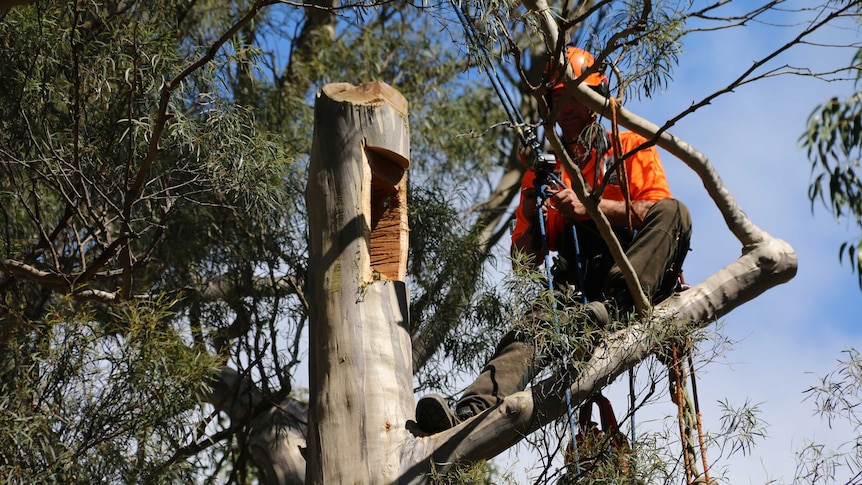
x=360 y=360
x=276 y=437
x=765 y=262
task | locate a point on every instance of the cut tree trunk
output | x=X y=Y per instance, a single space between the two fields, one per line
x=360 y=368
x=361 y=427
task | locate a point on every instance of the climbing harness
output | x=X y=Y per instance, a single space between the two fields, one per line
x=543 y=165
x=541 y=197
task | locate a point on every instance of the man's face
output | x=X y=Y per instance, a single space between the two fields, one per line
x=573 y=117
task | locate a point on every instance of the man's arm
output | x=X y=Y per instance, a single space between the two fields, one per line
x=570 y=207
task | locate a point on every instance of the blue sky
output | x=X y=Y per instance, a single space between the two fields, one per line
x=795 y=332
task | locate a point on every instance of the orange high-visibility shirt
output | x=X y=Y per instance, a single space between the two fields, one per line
x=646 y=181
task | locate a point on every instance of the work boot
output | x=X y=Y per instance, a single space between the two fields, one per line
x=597 y=314
x=433 y=414
x=463 y=413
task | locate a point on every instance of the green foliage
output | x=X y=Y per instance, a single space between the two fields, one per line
x=112 y=389
x=84 y=401
x=446 y=106
x=81 y=136
x=741 y=427
x=598 y=460
x=836 y=399
x=479 y=473
x=644 y=39
x=833 y=141
x=447 y=287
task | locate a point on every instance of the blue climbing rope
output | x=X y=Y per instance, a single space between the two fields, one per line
x=540 y=162
x=542 y=195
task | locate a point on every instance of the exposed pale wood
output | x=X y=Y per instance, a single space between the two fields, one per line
x=501 y=427
x=360 y=364
x=764 y=263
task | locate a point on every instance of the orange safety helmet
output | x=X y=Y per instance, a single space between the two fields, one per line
x=581 y=60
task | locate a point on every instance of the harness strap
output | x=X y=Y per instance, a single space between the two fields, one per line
x=541 y=196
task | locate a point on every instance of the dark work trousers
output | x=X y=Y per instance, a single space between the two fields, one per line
x=656 y=254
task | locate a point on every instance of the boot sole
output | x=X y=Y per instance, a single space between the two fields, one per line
x=433 y=414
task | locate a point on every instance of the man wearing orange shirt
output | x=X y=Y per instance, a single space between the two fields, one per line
x=654 y=233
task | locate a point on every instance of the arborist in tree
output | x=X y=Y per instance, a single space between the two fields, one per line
x=654 y=232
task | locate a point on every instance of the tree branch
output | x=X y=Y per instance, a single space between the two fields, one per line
x=767 y=264
x=133 y=192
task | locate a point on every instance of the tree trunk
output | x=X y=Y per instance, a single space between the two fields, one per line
x=277 y=434
x=360 y=368
x=360 y=363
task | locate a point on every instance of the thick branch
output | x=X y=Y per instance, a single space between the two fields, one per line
x=50 y=281
x=277 y=432
x=546 y=20
x=767 y=264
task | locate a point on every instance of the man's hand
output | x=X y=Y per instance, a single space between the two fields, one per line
x=567 y=203
x=563 y=200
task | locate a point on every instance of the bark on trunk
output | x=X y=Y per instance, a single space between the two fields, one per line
x=765 y=262
x=360 y=360
x=277 y=433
